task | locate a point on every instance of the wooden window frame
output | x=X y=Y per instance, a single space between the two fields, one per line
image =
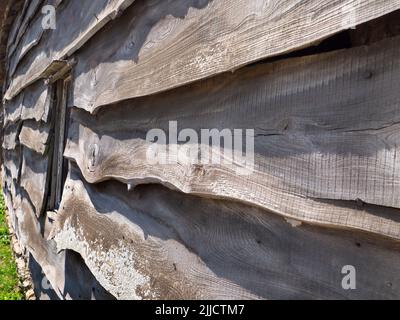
x=59 y=163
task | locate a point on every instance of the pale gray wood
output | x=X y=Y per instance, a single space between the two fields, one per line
x=34 y=103
x=34 y=173
x=326 y=128
x=31 y=134
x=37 y=103
x=21 y=24
x=35 y=135
x=77 y=22
x=69 y=277
x=29 y=34
x=160 y=45
x=52 y=200
x=17 y=26
x=211 y=47
x=158 y=243
x=10 y=135
x=327 y=132
x=12 y=163
x=12 y=109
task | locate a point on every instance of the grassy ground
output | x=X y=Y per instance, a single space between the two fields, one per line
x=9 y=288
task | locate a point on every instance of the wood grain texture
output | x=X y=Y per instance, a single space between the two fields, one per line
x=8 y=13
x=44 y=252
x=162 y=44
x=33 y=104
x=66 y=272
x=12 y=109
x=64 y=40
x=29 y=34
x=31 y=134
x=35 y=135
x=326 y=130
x=10 y=135
x=68 y=276
x=6 y=185
x=12 y=163
x=17 y=26
x=34 y=173
x=325 y=189
x=156 y=243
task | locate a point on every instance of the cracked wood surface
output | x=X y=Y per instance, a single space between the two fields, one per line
x=156 y=243
x=35 y=56
x=166 y=44
x=326 y=138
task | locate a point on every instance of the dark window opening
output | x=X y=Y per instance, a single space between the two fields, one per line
x=59 y=164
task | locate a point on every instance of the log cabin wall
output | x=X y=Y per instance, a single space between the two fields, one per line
x=99 y=221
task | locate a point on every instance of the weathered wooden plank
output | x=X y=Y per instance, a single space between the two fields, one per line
x=6 y=182
x=9 y=12
x=31 y=134
x=20 y=31
x=29 y=37
x=34 y=172
x=60 y=145
x=68 y=276
x=9 y=185
x=35 y=104
x=43 y=251
x=376 y=30
x=65 y=39
x=10 y=135
x=157 y=243
x=12 y=162
x=12 y=109
x=326 y=128
x=35 y=136
x=17 y=25
x=80 y=284
x=159 y=46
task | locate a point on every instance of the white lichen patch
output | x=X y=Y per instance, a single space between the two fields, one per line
x=113 y=267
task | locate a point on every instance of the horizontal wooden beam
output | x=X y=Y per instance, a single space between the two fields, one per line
x=326 y=129
x=34 y=178
x=62 y=42
x=154 y=243
x=157 y=46
x=35 y=104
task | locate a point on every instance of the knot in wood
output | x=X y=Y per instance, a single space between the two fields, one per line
x=93 y=156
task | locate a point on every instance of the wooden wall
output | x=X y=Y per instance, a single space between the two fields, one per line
x=325 y=191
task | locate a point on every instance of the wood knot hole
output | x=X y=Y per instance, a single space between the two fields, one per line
x=93 y=156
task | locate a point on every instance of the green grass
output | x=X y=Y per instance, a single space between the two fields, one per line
x=9 y=282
